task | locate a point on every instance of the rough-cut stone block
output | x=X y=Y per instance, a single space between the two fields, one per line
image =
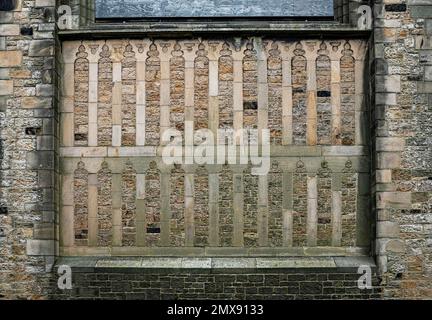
x=400 y=200
x=41 y=48
x=40 y=247
x=390 y=84
x=9 y=29
x=6 y=87
x=390 y=144
x=10 y=59
x=45 y=3
x=36 y=103
x=387 y=229
x=388 y=160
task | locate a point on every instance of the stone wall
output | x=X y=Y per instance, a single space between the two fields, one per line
x=28 y=131
x=118 y=101
x=399 y=80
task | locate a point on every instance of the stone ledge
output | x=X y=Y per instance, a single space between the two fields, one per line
x=214 y=265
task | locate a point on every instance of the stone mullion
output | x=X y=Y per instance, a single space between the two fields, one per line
x=67 y=127
x=93 y=101
x=361 y=116
x=117 y=98
x=189 y=219
x=263 y=211
x=335 y=98
x=238 y=206
x=336 y=210
x=140 y=210
x=141 y=93
x=311 y=102
x=165 y=210
x=189 y=56
x=238 y=96
x=312 y=210
x=288 y=207
x=263 y=87
x=92 y=210
x=67 y=238
x=165 y=88
x=117 y=214
x=213 y=87
x=213 y=209
x=287 y=102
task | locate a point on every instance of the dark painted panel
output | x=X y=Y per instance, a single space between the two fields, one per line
x=212 y=8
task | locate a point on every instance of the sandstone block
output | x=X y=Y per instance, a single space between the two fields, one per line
x=10 y=59
x=6 y=87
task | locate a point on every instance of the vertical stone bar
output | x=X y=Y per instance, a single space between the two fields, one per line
x=287 y=103
x=81 y=97
x=105 y=91
x=165 y=96
x=287 y=218
x=360 y=112
x=177 y=201
x=311 y=131
x=336 y=100
x=189 y=209
x=189 y=56
x=312 y=207
x=238 y=89
x=263 y=88
x=93 y=100
x=213 y=210
x=140 y=210
x=67 y=212
x=213 y=78
x=117 y=237
x=336 y=210
x=140 y=95
x=238 y=210
x=165 y=210
x=263 y=211
x=92 y=210
x=116 y=110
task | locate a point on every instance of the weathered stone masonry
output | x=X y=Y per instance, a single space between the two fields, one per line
x=81 y=176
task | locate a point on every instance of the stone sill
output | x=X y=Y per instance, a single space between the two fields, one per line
x=215 y=265
x=168 y=29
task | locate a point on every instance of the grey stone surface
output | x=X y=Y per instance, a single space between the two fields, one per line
x=212 y=8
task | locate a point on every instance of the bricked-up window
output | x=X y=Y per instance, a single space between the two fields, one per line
x=114 y=9
x=8 y=5
x=120 y=196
